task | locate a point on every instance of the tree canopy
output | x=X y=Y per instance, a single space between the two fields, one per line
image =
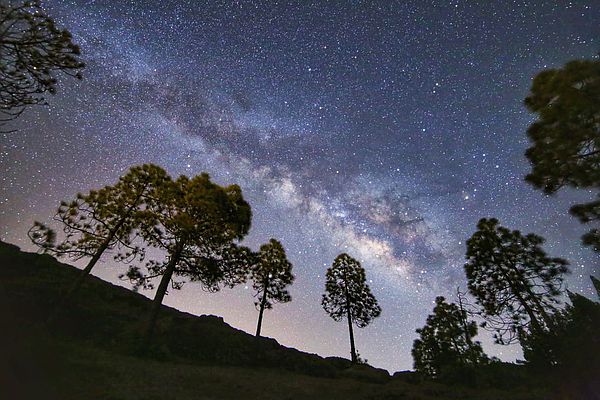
x=565 y=140
x=347 y=295
x=446 y=341
x=512 y=279
x=196 y=222
x=271 y=273
x=33 y=50
x=103 y=220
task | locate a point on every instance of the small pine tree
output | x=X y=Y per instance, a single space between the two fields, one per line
x=271 y=274
x=446 y=341
x=347 y=295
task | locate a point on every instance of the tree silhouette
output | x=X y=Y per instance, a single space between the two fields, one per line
x=446 y=341
x=102 y=220
x=348 y=295
x=512 y=279
x=596 y=284
x=32 y=51
x=572 y=338
x=196 y=223
x=565 y=139
x=570 y=352
x=270 y=274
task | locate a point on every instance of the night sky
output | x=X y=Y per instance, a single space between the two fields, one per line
x=382 y=129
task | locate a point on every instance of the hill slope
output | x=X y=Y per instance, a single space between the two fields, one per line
x=87 y=351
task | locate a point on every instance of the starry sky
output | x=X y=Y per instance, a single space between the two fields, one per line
x=382 y=129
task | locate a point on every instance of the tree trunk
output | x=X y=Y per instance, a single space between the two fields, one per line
x=159 y=296
x=545 y=317
x=349 y=316
x=535 y=323
x=463 y=318
x=111 y=234
x=465 y=326
x=540 y=307
x=352 y=348
x=88 y=268
x=90 y=265
x=263 y=302
x=534 y=320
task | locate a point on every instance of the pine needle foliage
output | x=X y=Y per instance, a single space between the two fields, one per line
x=565 y=140
x=33 y=52
x=103 y=221
x=513 y=280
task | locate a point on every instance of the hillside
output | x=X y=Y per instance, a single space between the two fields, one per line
x=88 y=351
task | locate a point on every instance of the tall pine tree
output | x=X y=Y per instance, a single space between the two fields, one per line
x=347 y=295
x=271 y=274
x=446 y=341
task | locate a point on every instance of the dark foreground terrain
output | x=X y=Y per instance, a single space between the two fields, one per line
x=88 y=351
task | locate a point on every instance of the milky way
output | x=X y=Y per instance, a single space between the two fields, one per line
x=385 y=130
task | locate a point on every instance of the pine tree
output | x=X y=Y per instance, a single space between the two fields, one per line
x=271 y=274
x=446 y=341
x=196 y=222
x=32 y=52
x=512 y=279
x=347 y=295
x=569 y=353
x=565 y=139
x=102 y=220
